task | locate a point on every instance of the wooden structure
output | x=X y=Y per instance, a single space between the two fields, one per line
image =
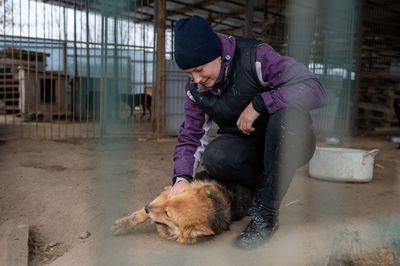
x=43 y=94
x=10 y=60
x=379 y=66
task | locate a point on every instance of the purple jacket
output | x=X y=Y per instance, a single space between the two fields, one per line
x=293 y=85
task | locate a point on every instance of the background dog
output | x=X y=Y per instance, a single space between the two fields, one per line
x=201 y=209
x=92 y=103
x=133 y=100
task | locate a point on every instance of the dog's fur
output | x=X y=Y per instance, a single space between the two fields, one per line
x=133 y=100
x=201 y=209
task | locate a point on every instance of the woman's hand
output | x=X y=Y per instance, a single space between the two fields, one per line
x=246 y=119
x=176 y=188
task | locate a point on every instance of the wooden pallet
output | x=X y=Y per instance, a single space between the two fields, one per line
x=377 y=93
x=9 y=93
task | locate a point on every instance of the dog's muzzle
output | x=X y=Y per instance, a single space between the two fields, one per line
x=147 y=210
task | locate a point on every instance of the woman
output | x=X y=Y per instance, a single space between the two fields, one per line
x=260 y=101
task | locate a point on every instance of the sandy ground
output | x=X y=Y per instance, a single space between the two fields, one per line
x=64 y=189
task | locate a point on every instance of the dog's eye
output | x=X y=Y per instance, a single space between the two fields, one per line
x=166 y=213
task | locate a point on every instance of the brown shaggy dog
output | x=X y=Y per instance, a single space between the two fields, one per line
x=202 y=208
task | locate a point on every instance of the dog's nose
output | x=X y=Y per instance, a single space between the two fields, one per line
x=146 y=208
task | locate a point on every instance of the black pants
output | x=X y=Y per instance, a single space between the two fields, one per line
x=266 y=163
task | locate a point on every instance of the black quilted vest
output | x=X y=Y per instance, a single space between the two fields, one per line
x=240 y=87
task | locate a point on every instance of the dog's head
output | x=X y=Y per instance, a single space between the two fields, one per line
x=188 y=215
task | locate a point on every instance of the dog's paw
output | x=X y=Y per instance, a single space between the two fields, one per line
x=122 y=226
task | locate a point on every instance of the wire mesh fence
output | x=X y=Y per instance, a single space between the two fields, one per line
x=86 y=68
x=74 y=69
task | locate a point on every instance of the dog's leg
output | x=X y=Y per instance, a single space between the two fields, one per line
x=126 y=224
x=143 y=110
x=149 y=112
x=131 y=112
x=131 y=106
x=128 y=100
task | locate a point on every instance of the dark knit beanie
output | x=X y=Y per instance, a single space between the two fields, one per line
x=196 y=43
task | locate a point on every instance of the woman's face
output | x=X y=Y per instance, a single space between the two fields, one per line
x=206 y=74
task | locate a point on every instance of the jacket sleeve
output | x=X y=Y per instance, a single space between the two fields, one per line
x=291 y=82
x=192 y=139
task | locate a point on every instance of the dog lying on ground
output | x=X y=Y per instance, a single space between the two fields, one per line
x=201 y=209
x=133 y=100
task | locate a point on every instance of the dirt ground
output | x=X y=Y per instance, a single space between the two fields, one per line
x=71 y=191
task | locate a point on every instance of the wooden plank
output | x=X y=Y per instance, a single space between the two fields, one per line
x=373 y=106
x=10 y=100
x=9 y=79
x=11 y=107
x=379 y=75
x=2 y=93
x=8 y=85
x=8 y=62
x=14 y=243
x=160 y=67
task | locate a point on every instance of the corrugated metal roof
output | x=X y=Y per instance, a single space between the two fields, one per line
x=225 y=16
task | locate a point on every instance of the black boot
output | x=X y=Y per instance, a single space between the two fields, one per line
x=260 y=229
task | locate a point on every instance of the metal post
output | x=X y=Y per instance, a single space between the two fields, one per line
x=248 y=22
x=356 y=92
x=160 y=66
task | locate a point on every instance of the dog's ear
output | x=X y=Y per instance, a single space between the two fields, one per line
x=202 y=230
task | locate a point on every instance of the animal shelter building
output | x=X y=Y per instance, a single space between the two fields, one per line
x=81 y=66
x=91 y=104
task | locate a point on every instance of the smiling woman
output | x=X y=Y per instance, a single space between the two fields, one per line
x=260 y=101
x=206 y=74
